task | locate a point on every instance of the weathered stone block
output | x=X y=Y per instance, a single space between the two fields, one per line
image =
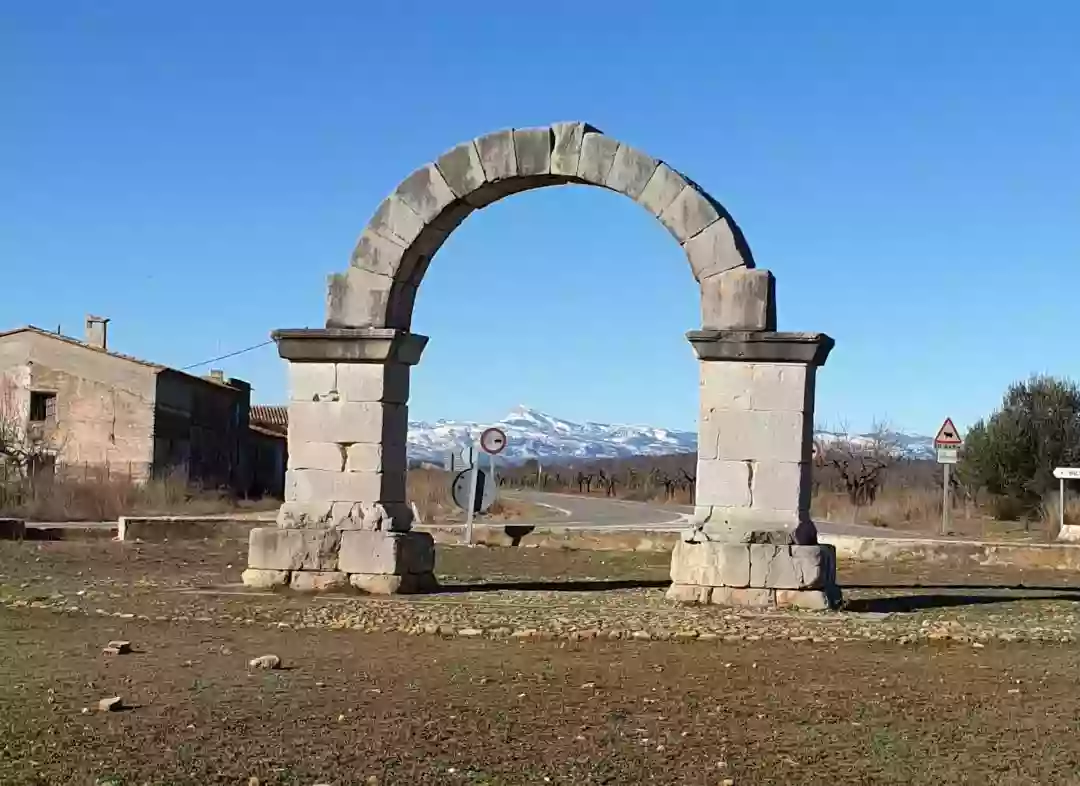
x=630 y=172
x=374 y=516
x=397 y=553
x=347 y=421
x=760 y=436
x=688 y=593
x=710 y=564
x=497 y=155
x=426 y=192
x=729 y=524
x=661 y=190
x=782 y=386
x=782 y=485
x=273 y=548
x=394 y=219
x=304 y=515
x=566 y=148
x=371 y=382
x=811 y=600
x=312 y=381
x=461 y=169
x=357 y=298
x=378 y=254
x=739 y=299
x=791 y=567
x=329 y=456
x=533 y=149
x=264 y=579
x=597 y=158
x=308 y=485
x=368 y=457
x=754 y=598
x=724 y=482
x=688 y=214
x=388 y=584
x=725 y=386
x=318 y=581
x=714 y=250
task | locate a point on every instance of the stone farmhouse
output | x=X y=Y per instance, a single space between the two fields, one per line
x=96 y=408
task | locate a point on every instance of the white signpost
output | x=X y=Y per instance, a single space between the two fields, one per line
x=492 y=442
x=1072 y=531
x=947 y=443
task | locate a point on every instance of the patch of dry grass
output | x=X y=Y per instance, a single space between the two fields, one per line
x=99 y=497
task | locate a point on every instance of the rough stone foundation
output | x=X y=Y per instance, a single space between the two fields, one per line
x=760 y=575
x=322 y=560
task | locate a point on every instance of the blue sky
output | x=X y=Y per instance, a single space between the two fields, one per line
x=910 y=173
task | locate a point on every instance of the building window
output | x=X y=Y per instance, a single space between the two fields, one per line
x=42 y=406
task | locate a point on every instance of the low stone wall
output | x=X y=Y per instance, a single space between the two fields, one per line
x=155 y=529
x=570 y=538
x=1057 y=556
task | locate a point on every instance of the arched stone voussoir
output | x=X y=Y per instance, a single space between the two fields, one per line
x=410 y=225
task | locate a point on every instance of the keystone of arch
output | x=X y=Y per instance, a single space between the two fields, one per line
x=408 y=228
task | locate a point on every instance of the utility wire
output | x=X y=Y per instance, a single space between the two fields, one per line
x=229 y=355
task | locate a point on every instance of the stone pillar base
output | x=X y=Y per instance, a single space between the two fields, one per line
x=755 y=575
x=321 y=560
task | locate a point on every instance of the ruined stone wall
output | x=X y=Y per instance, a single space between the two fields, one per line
x=103 y=407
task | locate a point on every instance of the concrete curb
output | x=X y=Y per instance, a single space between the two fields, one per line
x=155 y=529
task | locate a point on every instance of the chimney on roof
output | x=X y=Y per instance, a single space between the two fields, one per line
x=97 y=331
x=217 y=375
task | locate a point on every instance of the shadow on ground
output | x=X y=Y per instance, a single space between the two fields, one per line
x=940 y=600
x=553 y=586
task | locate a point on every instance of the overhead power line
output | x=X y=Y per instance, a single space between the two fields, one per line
x=229 y=355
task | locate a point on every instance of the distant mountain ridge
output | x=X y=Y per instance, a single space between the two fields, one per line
x=534 y=434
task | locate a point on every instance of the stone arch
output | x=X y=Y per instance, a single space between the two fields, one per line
x=408 y=228
x=345 y=519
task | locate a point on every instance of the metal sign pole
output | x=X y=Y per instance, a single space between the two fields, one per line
x=473 y=478
x=945 y=503
x=1061 y=505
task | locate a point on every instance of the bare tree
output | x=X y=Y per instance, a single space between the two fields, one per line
x=861 y=461
x=24 y=449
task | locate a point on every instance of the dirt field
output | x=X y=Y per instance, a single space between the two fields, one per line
x=532 y=667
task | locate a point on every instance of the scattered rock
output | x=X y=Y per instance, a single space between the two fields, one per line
x=470 y=632
x=265 y=662
x=111 y=704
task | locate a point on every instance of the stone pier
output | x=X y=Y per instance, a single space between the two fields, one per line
x=753 y=542
x=345 y=521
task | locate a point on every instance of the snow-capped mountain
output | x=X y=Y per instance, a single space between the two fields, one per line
x=534 y=434
x=910 y=446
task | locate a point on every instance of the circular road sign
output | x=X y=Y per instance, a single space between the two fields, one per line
x=493 y=441
x=485 y=492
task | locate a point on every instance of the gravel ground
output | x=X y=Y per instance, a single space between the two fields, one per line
x=531 y=667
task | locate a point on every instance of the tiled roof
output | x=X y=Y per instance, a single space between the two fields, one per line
x=269 y=416
x=266 y=432
x=82 y=344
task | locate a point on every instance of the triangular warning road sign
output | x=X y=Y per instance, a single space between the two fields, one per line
x=947 y=434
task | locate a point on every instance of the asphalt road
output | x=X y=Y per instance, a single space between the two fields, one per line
x=569 y=510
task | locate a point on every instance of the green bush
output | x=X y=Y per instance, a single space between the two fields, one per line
x=1012 y=454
